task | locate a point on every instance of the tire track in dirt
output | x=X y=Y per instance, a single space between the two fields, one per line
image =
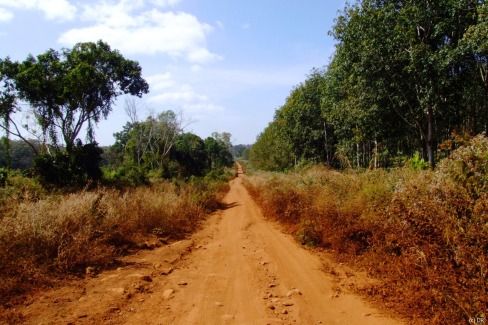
x=250 y=273
x=240 y=269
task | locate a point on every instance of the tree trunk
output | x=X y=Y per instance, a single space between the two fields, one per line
x=376 y=154
x=326 y=145
x=430 y=141
x=358 y=155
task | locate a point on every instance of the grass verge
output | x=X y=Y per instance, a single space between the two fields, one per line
x=45 y=237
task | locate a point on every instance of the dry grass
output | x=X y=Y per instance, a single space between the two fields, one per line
x=64 y=234
x=423 y=233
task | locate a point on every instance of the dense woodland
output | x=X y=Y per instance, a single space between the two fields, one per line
x=407 y=78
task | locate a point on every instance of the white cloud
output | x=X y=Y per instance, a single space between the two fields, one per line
x=246 y=26
x=202 y=108
x=179 y=35
x=165 y=3
x=177 y=97
x=60 y=10
x=57 y=9
x=169 y=92
x=161 y=82
x=172 y=92
x=113 y=15
x=5 y=15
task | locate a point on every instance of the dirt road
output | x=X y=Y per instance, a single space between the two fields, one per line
x=240 y=269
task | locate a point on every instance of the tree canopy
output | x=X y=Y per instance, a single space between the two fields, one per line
x=68 y=90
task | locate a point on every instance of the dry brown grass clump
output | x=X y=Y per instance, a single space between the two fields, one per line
x=67 y=233
x=425 y=234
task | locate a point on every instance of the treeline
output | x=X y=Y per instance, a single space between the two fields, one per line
x=154 y=148
x=407 y=79
x=17 y=154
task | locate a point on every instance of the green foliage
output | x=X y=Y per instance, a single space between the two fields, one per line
x=157 y=148
x=272 y=150
x=18 y=188
x=190 y=153
x=417 y=163
x=3 y=176
x=218 y=152
x=72 y=89
x=62 y=169
x=241 y=151
x=298 y=131
x=405 y=74
x=20 y=153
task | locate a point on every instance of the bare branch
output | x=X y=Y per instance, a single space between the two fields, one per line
x=19 y=135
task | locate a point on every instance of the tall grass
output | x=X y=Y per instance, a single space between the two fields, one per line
x=62 y=234
x=424 y=233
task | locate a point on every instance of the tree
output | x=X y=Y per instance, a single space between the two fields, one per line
x=240 y=151
x=218 y=152
x=70 y=89
x=404 y=56
x=302 y=115
x=272 y=150
x=148 y=143
x=475 y=41
x=21 y=154
x=189 y=152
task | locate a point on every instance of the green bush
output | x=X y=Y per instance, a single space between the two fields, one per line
x=3 y=176
x=76 y=168
x=417 y=163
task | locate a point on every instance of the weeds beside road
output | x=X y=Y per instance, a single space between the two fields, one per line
x=45 y=237
x=423 y=233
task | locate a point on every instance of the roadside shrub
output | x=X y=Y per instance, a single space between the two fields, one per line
x=17 y=189
x=76 y=168
x=417 y=163
x=3 y=177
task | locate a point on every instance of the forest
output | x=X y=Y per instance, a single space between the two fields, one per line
x=406 y=78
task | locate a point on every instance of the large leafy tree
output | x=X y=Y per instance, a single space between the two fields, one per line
x=475 y=42
x=69 y=90
x=189 y=152
x=305 y=127
x=273 y=150
x=148 y=143
x=405 y=57
x=218 y=151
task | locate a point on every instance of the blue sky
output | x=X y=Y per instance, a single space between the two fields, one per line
x=226 y=64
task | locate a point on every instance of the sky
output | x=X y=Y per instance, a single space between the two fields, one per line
x=226 y=65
